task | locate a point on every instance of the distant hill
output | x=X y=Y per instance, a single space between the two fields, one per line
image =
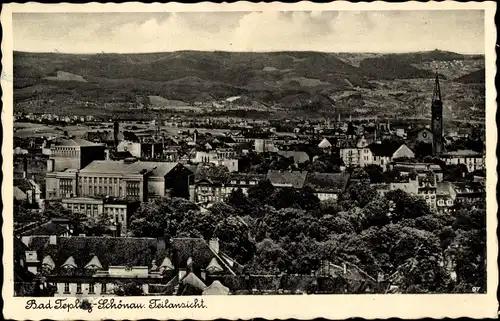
x=391 y=67
x=476 y=77
x=294 y=80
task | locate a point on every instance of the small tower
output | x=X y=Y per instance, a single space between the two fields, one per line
x=437 y=119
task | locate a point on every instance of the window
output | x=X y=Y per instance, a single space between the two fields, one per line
x=78 y=287
x=66 y=287
x=65 y=186
x=103 y=288
x=133 y=188
x=91 y=287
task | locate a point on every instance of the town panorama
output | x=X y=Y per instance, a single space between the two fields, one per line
x=229 y=173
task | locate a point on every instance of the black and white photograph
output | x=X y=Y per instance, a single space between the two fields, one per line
x=172 y=156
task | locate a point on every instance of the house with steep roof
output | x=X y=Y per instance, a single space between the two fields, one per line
x=290 y=179
x=96 y=266
x=327 y=185
x=210 y=190
x=387 y=151
x=471 y=159
x=423 y=187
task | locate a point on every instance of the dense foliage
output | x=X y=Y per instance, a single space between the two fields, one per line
x=274 y=230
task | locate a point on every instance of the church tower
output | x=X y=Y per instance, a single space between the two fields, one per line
x=437 y=119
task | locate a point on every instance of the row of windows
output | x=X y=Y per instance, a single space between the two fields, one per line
x=100 y=180
x=66 y=186
x=133 y=188
x=79 y=288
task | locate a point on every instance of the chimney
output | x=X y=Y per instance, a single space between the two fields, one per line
x=203 y=275
x=106 y=154
x=32 y=261
x=53 y=240
x=214 y=244
x=182 y=274
x=25 y=167
x=116 y=130
x=345 y=267
x=50 y=165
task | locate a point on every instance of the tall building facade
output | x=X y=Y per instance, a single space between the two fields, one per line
x=437 y=119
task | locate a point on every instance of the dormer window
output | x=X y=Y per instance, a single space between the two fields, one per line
x=69 y=264
x=94 y=264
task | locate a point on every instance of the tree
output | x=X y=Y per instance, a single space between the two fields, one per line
x=261 y=191
x=23 y=214
x=269 y=258
x=455 y=173
x=376 y=213
x=406 y=205
x=235 y=238
x=375 y=173
x=239 y=201
x=128 y=289
x=160 y=217
x=359 y=194
x=210 y=171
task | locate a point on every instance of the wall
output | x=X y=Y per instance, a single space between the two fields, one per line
x=133 y=148
x=178 y=180
x=156 y=187
x=66 y=157
x=90 y=154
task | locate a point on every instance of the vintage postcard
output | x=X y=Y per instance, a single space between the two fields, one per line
x=249 y=160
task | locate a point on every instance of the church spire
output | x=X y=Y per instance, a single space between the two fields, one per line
x=436 y=96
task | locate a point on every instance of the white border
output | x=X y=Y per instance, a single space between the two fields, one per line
x=246 y=307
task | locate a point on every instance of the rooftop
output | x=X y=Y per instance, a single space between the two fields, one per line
x=68 y=142
x=327 y=181
x=295 y=179
x=127 y=167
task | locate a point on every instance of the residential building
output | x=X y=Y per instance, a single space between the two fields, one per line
x=212 y=190
x=387 y=151
x=421 y=169
x=327 y=185
x=290 y=179
x=100 y=266
x=469 y=193
x=73 y=153
x=471 y=159
x=118 y=210
x=423 y=187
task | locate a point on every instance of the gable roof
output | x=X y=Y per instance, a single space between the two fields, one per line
x=287 y=179
x=47 y=260
x=157 y=169
x=324 y=144
x=386 y=148
x=298 y=156
x=462 y=153
x=332 y=182
x=214 y=266
x=167 y=264
x=94 y=262
x=216 y=288
x=68 y=142
x=194 y=281
x=70 y=262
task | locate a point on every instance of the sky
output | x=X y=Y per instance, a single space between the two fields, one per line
x=328 y=31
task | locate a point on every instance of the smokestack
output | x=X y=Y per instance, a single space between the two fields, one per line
x=116 y=130
x=25 y=167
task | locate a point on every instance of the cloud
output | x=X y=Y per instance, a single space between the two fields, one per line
x=375 y=31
